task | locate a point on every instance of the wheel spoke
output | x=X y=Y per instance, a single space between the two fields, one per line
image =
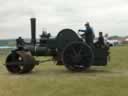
x=80 y=50
x=74 y=51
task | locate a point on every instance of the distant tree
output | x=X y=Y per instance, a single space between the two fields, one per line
x=114 y=37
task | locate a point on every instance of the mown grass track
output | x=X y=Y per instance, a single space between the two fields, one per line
x=51 y=80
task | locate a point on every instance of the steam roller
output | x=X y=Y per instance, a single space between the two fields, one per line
x=67 y=48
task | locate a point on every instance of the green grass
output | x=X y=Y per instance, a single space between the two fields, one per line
x=51 y=80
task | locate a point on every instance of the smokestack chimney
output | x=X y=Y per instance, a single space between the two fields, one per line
x=33 y=31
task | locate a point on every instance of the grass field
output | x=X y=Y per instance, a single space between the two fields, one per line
x=51 y=80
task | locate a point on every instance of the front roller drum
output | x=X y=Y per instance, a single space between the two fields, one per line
x=20 y=62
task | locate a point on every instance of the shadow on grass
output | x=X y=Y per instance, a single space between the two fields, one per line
x=64 y=71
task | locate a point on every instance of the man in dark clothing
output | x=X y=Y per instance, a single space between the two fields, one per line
x=101 y=39
x=88 y=33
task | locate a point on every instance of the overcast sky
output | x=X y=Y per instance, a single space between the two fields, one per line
x=109 y=16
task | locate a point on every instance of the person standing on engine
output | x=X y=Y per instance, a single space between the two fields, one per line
x=101 y=39
x=88 y=33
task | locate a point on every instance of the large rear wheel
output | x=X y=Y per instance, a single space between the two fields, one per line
x=77 y=56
